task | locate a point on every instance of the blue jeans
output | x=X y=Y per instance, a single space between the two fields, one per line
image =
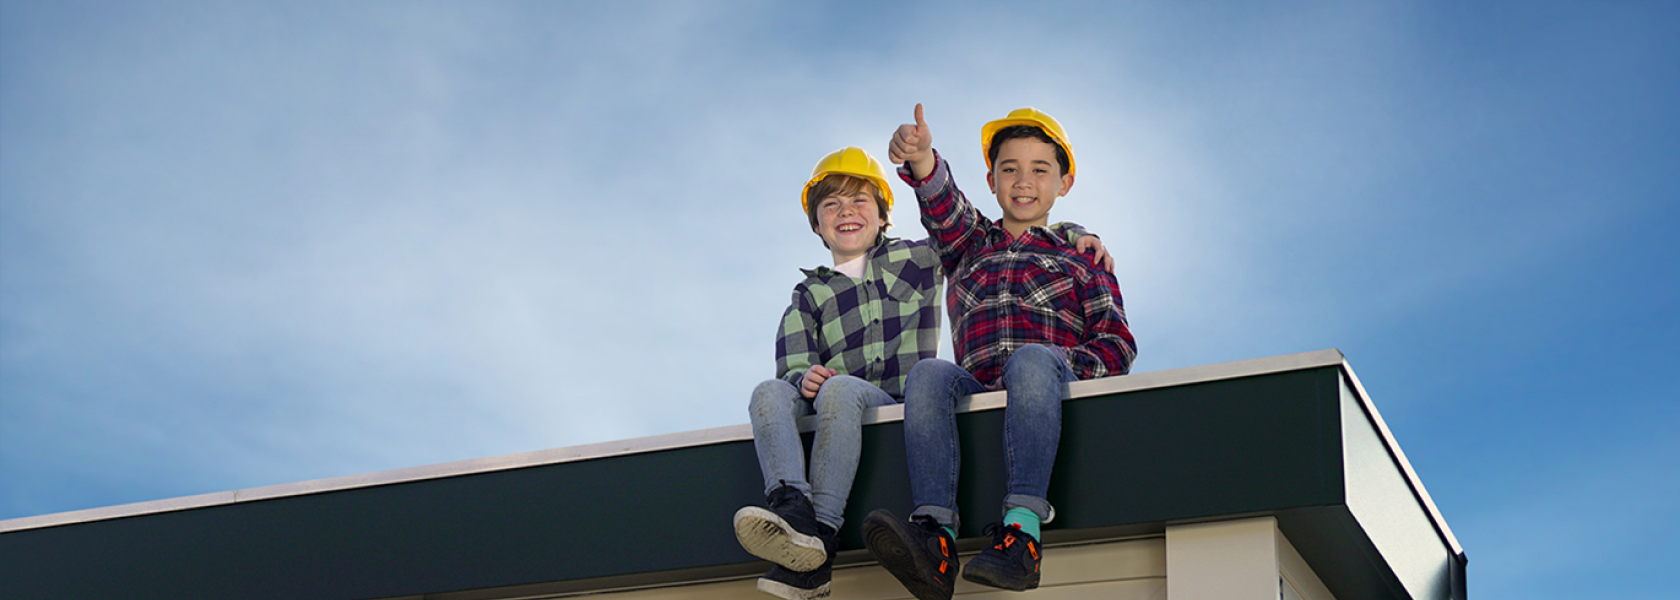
x=1036 y=379
x=775 y=408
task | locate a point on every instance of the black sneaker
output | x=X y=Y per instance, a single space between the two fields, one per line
x=1011 y=562
x=785 y=534
x=783 y=582
x=918 y=553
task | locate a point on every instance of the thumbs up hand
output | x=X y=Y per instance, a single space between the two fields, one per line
x=913 y=143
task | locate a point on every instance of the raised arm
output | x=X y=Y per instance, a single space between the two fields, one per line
x=955 y=228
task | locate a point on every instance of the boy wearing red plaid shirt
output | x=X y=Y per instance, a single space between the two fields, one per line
x=1028 y=315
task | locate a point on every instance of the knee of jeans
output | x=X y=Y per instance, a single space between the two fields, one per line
x=1033 y=356
x=841 y=393
x=1034 y=361
x=925 y=367
x=928 y=390
x=1034 y=367
x=770 y=396
x=928 y=372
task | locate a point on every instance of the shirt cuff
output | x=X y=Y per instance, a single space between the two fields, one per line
x=934 y=181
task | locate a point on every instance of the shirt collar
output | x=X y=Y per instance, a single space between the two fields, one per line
x=826 y=271
x=1001 y=235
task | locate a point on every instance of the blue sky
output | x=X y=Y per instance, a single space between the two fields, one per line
x=244 y=244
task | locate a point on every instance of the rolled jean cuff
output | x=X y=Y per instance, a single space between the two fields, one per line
x=1038 y=506
x=944 y=516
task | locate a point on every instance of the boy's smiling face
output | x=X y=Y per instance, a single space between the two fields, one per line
x=849 y=224
x=1027 y=180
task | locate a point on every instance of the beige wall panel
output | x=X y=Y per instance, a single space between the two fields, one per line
x=1223 y=560
x=1131 y=589
x=1121 y=570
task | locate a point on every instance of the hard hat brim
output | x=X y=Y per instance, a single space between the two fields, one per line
x=871 y=170
x=989 y=130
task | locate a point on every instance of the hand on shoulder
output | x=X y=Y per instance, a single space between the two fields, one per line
x=1091 y=243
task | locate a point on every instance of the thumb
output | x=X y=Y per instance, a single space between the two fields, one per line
x=921 y=123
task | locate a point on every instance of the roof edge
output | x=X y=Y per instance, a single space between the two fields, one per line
x=701 y=437
x=1399 y=457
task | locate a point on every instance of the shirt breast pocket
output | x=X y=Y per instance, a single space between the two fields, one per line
x=1050 y=294
x=912 y=286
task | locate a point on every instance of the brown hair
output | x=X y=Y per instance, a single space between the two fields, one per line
x=844 y=185
x=1025 y=131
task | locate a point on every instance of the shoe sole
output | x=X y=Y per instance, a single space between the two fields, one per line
x=782 y=590
x=885 y=537
x=766 y=535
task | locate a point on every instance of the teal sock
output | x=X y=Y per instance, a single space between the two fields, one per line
x=1028 y=520
x=948 y=531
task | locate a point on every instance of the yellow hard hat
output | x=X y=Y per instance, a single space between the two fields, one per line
x=853 y=161
x=1025 y=116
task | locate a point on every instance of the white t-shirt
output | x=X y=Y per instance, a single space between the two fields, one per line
x=853 y=268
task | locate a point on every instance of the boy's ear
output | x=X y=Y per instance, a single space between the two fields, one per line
x=991 y=183
x=1067 y=183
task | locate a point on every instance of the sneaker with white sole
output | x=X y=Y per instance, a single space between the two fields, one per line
x=783 y=582
x=785 y=533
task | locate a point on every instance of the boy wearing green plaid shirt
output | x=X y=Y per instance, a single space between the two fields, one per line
x=846 y=342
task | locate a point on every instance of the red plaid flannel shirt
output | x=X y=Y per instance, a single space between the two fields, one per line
x=1007 y=292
